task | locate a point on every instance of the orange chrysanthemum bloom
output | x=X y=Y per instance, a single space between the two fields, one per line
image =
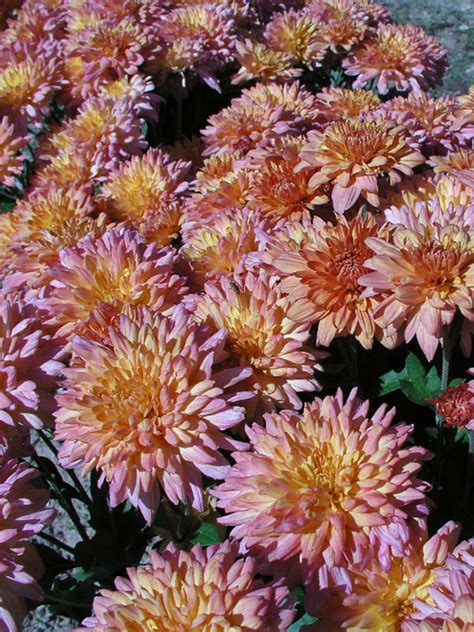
x=259 y=61
x=354 y=154
x=278 y=190
x=312 y=491
x=428 y=270
x=339 y=104
x=343 y=23
x=456 y=405
x=11 y=161
x=205 y=589
x=429 y=121
x=254 y=312
x=260 y=115
x=393 y=598
x=459 y=164
x=118 y=269
x=322 y=279
x=297 y=34
x=147 y=408
x=403 y=56
x=147 y=191
x=223 y=246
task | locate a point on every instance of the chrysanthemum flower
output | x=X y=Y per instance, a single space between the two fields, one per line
x=343 y=23
x=277 y=190
x=417 y=215
x=34 y=24
x=7 y=230
x=260 y=115
x=259 y=61
x=459 y=164
x=429 y=121
x=461 y=619
x=204 y=589
x=148 y=409
x=297 y=34
x=11 y=161
x=325 y=487
x=118 y=268
x=322 y=279
x=147 y=191
x=254 y=311
x=402 y=56
x=26 y=89
x=354 y=154
x=28 y=366
x=456 y=405
x=339 y=104
x=23 y=514
x=429 y=273
x=397 y=597
x=222 y=246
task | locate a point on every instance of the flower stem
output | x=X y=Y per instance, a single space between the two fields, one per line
x=446 y=343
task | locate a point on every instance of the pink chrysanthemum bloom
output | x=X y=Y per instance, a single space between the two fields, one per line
x=223 y=246
x=260 y=115
x=343 y=23
x=205 y=589
x=297 y=34
x=7 y=230
x=147 y=191
x=11 y=160
x=459 y=164
x=254 y=311
x=417 y=215
x=278 y=190
x=429 y=121
x=403 y=56
x=148 y=409
x=322 y=279
x=23 y=514
x=328 y=486
x=428 y=271
x=456 y=405
x=339 y=104
x=28 y=366
x=27 y=87
x=354 y=154
x=33 y=25
x=259 y=61
x=461 y=619
x=376 y=597
x=119 y=268
x=198 y=41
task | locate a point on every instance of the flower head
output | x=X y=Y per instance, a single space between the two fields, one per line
x=326 y=487
x=118 y=269
x=296 y=33
x=353 y=154
x=254 y=311
x=456 y=405
x=259 y=61
x=203 y=588
x=403 y=56
x=11 y=161
x=23 y=514
x=459 y=164
x=343 y=23
x=147 y=191
x=147 y=408
x=339 y=104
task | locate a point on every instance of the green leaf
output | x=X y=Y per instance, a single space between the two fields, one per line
x=206 y=535
x=462 y=435
x=390 y=382
x=306 y=619
x=413 y=381
x=457 y=381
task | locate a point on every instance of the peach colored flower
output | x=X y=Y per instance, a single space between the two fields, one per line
x=376 y=597
x=223 y=246
x=297 y=34
x=339 y=104
x=118 y=269
x=322 y=280
x=147 y=192
x=403 y=56
x=148 y=409
x=260 y=115
x=29 y=366
x=459 y=164
x=354 y=154
x=253 y=310
x=456 y=405
x=206 y=589
x=329 y=486
x=23 y=514
x=11 y=160
x=258 y=60
x=343 y=23
x=428 y=269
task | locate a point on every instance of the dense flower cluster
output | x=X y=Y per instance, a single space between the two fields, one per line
x=196 y=237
